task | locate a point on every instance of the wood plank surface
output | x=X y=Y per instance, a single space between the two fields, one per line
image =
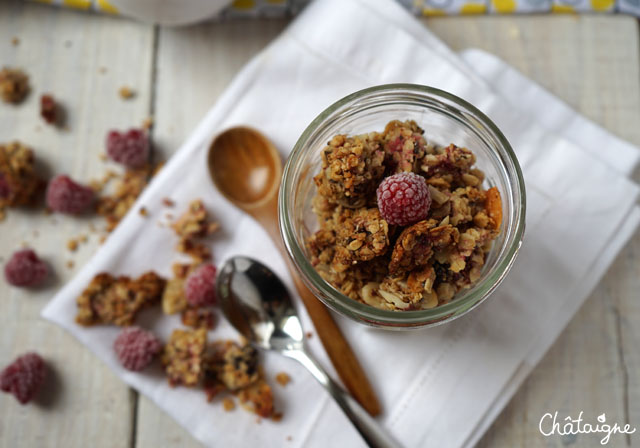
x=589 y=61
x=62 y=51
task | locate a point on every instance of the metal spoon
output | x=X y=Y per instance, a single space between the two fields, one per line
x=258 y=305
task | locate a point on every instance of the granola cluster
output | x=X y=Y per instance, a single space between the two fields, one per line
x=19 y=182
x=234 y=368
x=418 y=266
x=117 y=300
x=14 y=85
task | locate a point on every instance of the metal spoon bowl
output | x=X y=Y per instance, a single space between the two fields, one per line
x=258 y=305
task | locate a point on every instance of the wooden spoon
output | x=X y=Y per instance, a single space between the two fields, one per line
x=247 y=170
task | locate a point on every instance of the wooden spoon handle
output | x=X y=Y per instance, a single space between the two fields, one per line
x=334 y=342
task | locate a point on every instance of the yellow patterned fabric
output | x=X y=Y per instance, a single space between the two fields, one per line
x=258 y=8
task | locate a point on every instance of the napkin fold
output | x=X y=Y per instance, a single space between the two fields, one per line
x=581 y=209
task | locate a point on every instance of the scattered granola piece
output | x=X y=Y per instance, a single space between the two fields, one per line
x=115 y=206
x=130 y=148
x=173 y=298
x=72 y=245
x=102 y=70
x=143 y=211
x=234 y=366
x=19 y=182
x=198 y=318
x=289 y=438
x=136 y=348
x=277 y=416
x=283 y=378
x=200 y=287
x=309 y=335
x=126 y=92
x=147 y=123
x=228 y=404
x=70 y=264
x=15 y=41
x=48 y=109
x=66 y=196
x=111 y=300
x=192 y=225
x=257 y=398
x=14 y=85
x=103 y=156
x=26 y=269
x=168 y=202
x=24 y=377
x=183 y=357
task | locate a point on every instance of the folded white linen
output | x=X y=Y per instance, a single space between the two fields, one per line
x=581 y=209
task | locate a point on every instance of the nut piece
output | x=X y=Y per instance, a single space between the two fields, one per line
x=111 y=300
x=183 y=357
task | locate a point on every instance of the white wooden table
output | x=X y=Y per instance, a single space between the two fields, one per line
x=590 y=61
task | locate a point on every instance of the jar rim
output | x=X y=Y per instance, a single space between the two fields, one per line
x=460 y=304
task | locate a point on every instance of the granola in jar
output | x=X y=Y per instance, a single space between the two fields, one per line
x=444 y=219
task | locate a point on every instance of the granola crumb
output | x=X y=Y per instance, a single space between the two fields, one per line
x=283 y=379
x=70 y=264
x=2 y=214
x=289 y=438
x=143 y=211
x=14 y=85
x=126 y=92
x=193 y=225
x=72 y=245
x=228 y=404
x=83 y=238
x=309 y=335
x=277 y=417
x=168 y=202
x=15 y=41
x=102 y=70
x=147 y=123
x=258 y=421
x=103 y=156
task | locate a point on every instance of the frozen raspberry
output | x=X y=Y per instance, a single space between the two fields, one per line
x=403 y=199
x=23 y=377
x=200 y=287
x=136 y=348
x=66 y=196
x=25 y=269
x=129 y=148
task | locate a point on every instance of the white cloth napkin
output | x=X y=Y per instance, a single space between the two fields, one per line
x=439 y=387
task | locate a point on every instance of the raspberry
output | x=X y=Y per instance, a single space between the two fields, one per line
x=25 y=269
x=403 y=199
x=66 y=196
x=136 y=348
x=130 y=148
x=23 y=377
x=200 y=287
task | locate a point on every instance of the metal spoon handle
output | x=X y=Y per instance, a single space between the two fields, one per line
x=368 y=428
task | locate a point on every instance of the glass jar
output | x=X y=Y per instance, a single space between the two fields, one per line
x=445 y=119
